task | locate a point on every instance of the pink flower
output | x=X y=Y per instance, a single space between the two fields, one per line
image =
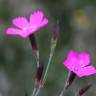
x=79 y=64
x=25 y=27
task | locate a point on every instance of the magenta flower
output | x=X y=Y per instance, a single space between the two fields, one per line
x=25 y=27
x=79 y=64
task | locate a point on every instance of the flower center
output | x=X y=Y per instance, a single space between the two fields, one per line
x=29 y=28
x=75 y=69
x=25 y=28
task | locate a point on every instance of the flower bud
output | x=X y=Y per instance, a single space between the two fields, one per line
x=83 y=89
x=56 y=30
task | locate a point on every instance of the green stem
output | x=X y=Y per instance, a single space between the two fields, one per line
x=65 y=85
x=36 y=54
x=49 y=61
x=34 y=91
x=37 y=92
x=48 y=65
x=76 y=94
x=62 y=92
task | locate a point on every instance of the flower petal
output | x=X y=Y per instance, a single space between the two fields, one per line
x=20 y=22
x=72 y=61
x=26 y=28
x=14 y=31
x=86 y=71
x=36 y=17
x=72 y=55
x=69 y=65
x=34 y=27
x=72 y=66
x=44 y=22
x=84 y=59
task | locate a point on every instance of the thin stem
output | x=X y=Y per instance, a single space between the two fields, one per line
x=49 y=61
x=53 y=45
x=37 y=92
x=36 y=54
x=65 y=85
x=34 y=48
x=34 y=91
x=62 y=92
x=48 y=65
x=76 y=94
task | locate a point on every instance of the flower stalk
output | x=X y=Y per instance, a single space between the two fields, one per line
x=49 y=61
x=54 y=39
x=35 y=48
x=70 y=78
x=38 y=78
x=55 y=36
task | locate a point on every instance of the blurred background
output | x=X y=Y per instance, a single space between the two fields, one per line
x=77 y=19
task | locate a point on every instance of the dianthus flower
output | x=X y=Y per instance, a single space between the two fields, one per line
x=79 y=64
x=25 y=27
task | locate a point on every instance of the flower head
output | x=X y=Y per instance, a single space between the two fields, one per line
x=25 y=27
x=79 y=64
